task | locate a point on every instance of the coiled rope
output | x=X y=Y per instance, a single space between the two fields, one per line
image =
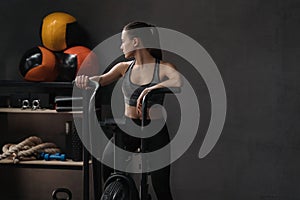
x=28 y=149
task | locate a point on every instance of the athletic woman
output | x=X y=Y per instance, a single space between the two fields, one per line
x=144 y=72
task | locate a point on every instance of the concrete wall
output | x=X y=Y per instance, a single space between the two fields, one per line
x=255 y=45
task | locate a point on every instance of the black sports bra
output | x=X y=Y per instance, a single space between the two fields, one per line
x=132 y=91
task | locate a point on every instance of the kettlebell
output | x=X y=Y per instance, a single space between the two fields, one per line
x=61 y=190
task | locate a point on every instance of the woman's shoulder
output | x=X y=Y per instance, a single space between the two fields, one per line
x=123 y=66
x=166 y=65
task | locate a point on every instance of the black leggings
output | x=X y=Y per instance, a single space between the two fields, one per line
x=160 y=178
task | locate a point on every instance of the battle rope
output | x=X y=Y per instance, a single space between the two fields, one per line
x=29 y=149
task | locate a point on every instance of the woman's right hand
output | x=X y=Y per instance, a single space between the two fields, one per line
x=82 y=81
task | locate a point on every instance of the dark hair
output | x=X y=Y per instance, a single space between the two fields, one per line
x=149 y=36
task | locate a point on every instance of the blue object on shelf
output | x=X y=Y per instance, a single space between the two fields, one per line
x=56 y=156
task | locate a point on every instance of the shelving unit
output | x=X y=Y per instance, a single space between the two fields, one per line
x=30 y=111
x=16 y=123
x=38 y=111
x=53 y=164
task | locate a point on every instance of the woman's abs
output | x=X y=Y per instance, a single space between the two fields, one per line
x=154 y=112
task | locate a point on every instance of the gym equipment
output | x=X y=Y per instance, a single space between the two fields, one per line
x=54 y=30
x=87 y=98
x=86 y=60
x=76 y=59
x=38 y=64
x=144 y=195
x=35 y=104
x=58 y=191
x=67 y=103
x=120 y=186
x=73 y=142
x=25 y=104
x=57 y=156
x=62 y=53
x=28 y=149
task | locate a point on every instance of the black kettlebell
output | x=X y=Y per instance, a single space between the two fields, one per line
x=61 y=190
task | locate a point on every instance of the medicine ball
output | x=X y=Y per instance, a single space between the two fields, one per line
x=59 y=30
x=38 y=64
x=77 y=60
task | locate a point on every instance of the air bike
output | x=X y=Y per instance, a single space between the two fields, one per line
x=120 y=185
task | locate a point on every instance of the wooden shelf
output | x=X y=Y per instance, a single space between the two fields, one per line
x=52 y=164
x=13 y=83
x=40 y=111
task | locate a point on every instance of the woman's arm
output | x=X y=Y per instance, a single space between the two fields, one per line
x=112 y=75
x=171 y=78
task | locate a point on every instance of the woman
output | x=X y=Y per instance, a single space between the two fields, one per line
x=144 y=73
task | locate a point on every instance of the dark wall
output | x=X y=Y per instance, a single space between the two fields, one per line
x=255 y=45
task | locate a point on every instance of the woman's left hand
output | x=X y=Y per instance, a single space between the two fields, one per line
x=140 y=99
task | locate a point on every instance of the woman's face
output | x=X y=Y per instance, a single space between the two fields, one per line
x=127 y=45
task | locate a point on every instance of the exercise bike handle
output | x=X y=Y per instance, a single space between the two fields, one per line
x=165 y=90
x=144 y=186
x=88 y=105
x=91 y=84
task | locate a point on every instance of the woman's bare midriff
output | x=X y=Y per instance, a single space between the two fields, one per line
x=154 y=112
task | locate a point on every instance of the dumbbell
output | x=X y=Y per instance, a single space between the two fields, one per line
x=56 y=156
x=62 y=191
x=25 y=104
